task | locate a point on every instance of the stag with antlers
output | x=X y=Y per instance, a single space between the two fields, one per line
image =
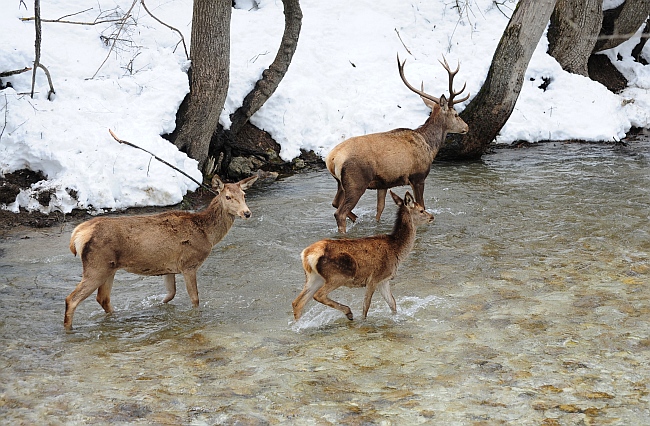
x=398 y=157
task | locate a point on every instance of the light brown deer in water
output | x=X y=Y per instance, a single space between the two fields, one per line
x=394 y=158
x=365 y=262
x=175 y=242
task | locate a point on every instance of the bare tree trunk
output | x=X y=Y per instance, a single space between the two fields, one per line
x=619 y=24
x=636 y=52
x=488 y=112
x=209 y=78
x=575 y=25
x=272 y=76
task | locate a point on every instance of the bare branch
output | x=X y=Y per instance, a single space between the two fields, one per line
x=123 y=20
x=162 y=161
x=400 y=39
x=49 y=80
x=37 y=44
x=6 y=108
x=59 y=21
x=62 y=21
x=168 y=26
x=8 y=73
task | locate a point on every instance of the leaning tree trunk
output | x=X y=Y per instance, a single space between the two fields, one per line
x=272 y=76
x=636 y=52
x=621 y=23
x=247 y=139
x=575 y=25
x=488 y=112
x=209 y=78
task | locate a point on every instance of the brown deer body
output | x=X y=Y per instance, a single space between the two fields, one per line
x=365 y=262
x=166 y=244
x=398 y=157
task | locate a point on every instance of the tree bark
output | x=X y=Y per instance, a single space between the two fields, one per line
x=209 y=78
x=272 y=76
x=620 y=23
x=488 y=112
x=575 y=25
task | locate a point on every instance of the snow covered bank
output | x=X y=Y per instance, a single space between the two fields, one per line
x=343 y=81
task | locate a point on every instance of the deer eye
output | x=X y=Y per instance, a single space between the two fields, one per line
x=228 y=197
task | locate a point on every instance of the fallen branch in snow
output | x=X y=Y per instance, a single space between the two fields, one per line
x=8 y=73
x=162 y=161
x=168 y=26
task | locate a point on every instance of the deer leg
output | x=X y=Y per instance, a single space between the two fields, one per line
x=418 y=192
x=312 y=284
x=381 y=202
x=321 y=296
x=104 y=294
x=90 y=281
x=339 y=195
x=345 y=208
x=384 y=289
x=370 y=290
x=170 y=285
x=190 y=284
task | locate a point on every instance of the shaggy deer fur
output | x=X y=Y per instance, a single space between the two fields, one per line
x=365 y=262
x=166 y=244
x=394 y=158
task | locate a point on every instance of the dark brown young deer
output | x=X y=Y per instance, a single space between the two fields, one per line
x=166 y=244
x=365 y=262
x=394 y=158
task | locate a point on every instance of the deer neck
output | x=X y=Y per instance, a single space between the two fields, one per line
x=434 y=130
x=403 y=235
x=217 y=221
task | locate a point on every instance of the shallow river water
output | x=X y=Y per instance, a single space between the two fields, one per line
x=526 y=302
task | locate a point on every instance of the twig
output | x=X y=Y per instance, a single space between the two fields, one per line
x=126 y=16
x=37 y=56
x=49 y=80
x=59 y=21
x=8 y=73
x=400 y=39
x=62 y=21
x=6 y=108
x=37 y=44
x=162 y=161
x=168 y=26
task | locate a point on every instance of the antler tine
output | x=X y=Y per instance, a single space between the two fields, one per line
x=452 y=93
x=400 y=66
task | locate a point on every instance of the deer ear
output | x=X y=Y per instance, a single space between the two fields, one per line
x=396 y=198
x=428 y=103
x=443 y=102
x=408 y=200
x=244 y=184
x=217 y=184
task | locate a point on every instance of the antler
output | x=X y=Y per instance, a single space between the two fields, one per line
x=400 y=66
x=452 y=93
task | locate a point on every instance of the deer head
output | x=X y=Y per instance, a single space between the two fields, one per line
x=233 y=194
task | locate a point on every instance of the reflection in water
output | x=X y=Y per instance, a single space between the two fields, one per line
x=526 y=301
